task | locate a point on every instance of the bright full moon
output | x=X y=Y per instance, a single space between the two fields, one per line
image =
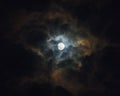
x=61 y=46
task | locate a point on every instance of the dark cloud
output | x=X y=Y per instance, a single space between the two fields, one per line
x=29 y=67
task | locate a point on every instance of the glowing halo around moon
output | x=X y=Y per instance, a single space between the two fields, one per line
x=61 y=46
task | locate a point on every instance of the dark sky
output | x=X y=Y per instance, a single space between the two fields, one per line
x=25 y=73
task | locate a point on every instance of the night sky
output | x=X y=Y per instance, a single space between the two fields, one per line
x=32 y=64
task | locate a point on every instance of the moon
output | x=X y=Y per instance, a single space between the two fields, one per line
x=61 y=46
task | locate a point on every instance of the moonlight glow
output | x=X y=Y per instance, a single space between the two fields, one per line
x=61 y=46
